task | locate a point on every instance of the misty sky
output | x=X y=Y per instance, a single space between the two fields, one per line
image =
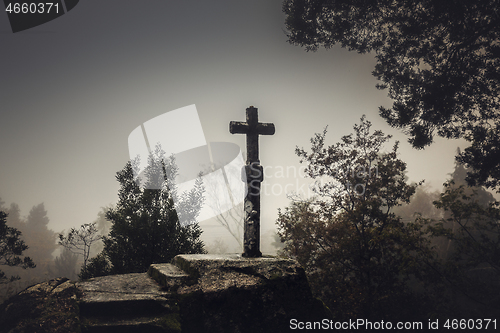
x=73 y=89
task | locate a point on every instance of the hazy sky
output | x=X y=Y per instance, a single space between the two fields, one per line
x=73 y=89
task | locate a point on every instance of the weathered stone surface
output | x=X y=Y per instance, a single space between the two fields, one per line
x=235 y=294
x=127 y=303
x=122 y=287
x=45 y=307
x=198 y=293
x=169 y=276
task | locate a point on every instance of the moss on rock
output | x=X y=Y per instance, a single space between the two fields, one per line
x=46 y=307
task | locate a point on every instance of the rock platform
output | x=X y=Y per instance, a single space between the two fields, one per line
x=197 y=293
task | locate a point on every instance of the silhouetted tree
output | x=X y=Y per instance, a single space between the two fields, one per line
x=65 y=264
x=420 y=205
x=471 y=226
x=11 y=249
x=439 y=61
x=97 y=266
x=145 y=224
x=232 y=219
x=14 y=217
x=217 y=246
x=40 y=239
x=103 y=225
x=359 y=256
x=79 y=241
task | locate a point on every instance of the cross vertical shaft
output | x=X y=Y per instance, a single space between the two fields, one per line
x=253 y=175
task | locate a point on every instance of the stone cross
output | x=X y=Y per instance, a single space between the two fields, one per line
x=254 y=175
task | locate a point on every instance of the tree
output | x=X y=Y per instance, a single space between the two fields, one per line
x=65 y=264
x=40 y=239
x=231 y=219
x=439 y=60
x=217 y=246
x=359 y=256
x=11 y=249
x=145 y=223
x=103 y=226
x=471 y=226
x=79 y=241
x=14 y=217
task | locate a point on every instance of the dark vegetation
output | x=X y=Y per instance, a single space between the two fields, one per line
x=11 y=249
x=49 y=307
x=367 y=250
x=439 y=61
x=143 y=228
x=376 y=247
x=373 y=245
x=28 y=246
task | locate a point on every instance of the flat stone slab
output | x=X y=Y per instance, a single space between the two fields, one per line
x=199 y=263
x=134 y=286
x=221 y=271
x=123 y=295
x=169 y=276
x=229 y=257
x=168 y=270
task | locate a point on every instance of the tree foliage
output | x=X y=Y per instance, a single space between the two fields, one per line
x=439 y=60
x=41 y=241
x=65 y=264
x=358 y=254
x=471 y=226
x=145 y=225
x=11 y=249
x=79 y=241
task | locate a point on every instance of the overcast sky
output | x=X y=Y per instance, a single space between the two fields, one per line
x=73 y=89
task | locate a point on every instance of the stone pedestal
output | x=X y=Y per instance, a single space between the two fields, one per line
x=228 y=293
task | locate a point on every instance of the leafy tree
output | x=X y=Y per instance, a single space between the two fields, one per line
x=11 y=249
x=359 y=256
x=97 y=266
x=439 y=60
x=420 y=205
x=103 y=225
x=79 y=241
x=471 y=226
x=14 y=217
x=145 y=224
x=217 y=246
x=232 y=219
x=40 y=239
x=65 y=264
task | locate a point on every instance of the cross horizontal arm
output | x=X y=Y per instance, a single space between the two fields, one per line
x=238 y=127
x=265 y=129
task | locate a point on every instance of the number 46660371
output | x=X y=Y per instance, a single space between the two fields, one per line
x=32 y=8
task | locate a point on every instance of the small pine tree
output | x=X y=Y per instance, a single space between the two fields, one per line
x=11 y=249
x=65 y=264
x=41 y=241
x=145 y=225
